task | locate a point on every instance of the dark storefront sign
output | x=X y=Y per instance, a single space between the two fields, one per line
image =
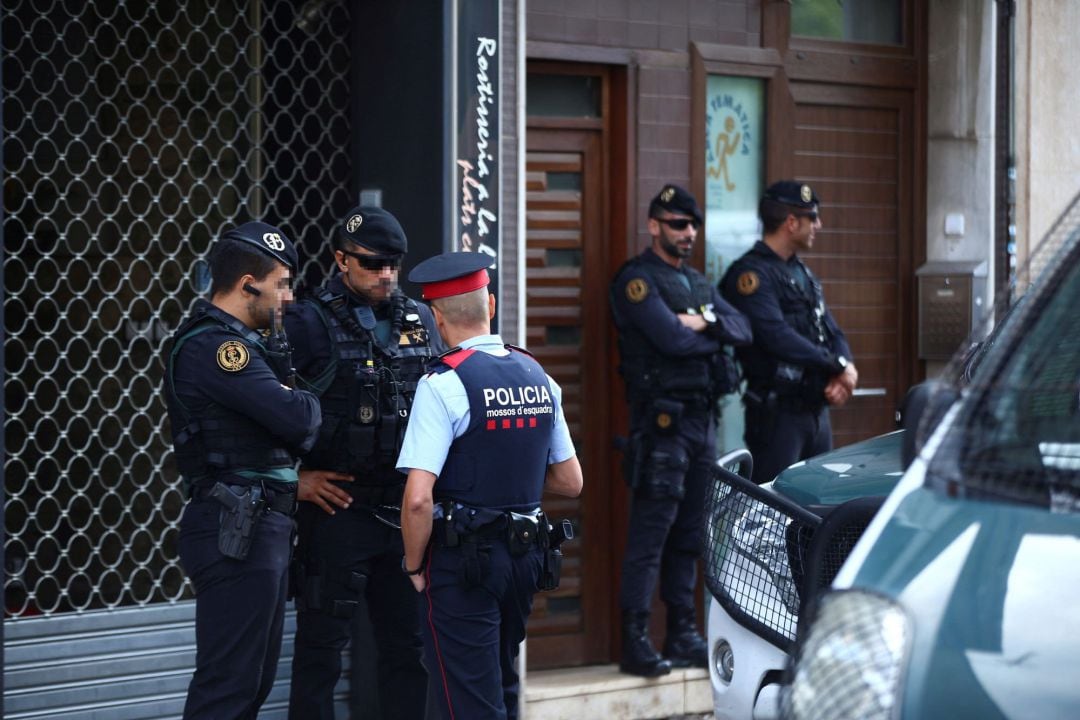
x=477 y=161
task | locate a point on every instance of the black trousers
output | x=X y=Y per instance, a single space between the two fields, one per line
x=778 y=437
x=472 y=628
x=239 y=612
x=665 y=529
x=335 y=550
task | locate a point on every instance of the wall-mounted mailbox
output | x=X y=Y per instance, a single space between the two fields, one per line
x=951 y=303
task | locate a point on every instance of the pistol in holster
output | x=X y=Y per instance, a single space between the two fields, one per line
x=556 y=535
x=238 y=518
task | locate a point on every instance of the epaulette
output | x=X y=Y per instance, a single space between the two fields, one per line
x=515 y=348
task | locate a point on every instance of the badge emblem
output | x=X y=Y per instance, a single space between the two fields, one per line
x=274 y=241
x=636 y=290
x=367 y=414
x=667 y=194
x=663 y=421
x=748 y=283
x=232 y=356
x=354 y=223
x=806 y=194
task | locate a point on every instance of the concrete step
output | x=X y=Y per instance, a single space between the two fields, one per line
x=601 y=692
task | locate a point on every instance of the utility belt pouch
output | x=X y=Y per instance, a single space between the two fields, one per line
x=788 y=379
x=552 y=570
x=238 y=518
x=523 y=532
x=666 y=415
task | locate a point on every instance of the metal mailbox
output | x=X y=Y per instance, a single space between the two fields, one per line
x=951 y=304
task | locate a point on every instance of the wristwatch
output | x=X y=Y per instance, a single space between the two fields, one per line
x=708 y=314
x=841 y=362
x=407 y=571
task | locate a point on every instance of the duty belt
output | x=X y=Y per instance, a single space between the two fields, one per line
x=511 y=527
x=278 y=498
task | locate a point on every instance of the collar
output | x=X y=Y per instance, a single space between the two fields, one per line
x=480 y=341
x=649 y=255
x=338 y=287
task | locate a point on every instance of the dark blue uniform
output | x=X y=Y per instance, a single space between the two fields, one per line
x=234 y=426
x=364 y=363
x=674 y=377
x=486 y=554
x=797 y=349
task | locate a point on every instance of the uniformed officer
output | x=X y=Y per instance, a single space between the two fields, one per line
x=487 y=437
x=672 y=327
x=362 y=346
x=800 y=362
x=237 y=429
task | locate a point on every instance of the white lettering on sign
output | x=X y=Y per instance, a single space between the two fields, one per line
x=522 y=400
x=474 y=193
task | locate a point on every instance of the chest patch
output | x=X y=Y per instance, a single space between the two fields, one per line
x=748 y=283
x=232 y=356
x=636 y=290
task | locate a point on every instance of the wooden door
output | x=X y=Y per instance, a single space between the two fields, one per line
x=855 y=147
x=566 y=329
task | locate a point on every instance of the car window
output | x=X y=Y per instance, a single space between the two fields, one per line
x=1019 y=437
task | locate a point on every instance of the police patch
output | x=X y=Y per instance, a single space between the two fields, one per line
x=663 y=421
x=636 y=290
x=667 y=194
x=353 y=224
x=805 y=193
x=232 y=356
x=748 y=283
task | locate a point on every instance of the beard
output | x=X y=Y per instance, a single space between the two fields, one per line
x=674 y=249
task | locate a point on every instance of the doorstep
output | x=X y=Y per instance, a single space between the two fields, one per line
x=601 y=692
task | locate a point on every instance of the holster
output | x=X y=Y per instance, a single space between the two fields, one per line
x=554 y=538
x=523 y=531
x=238 y=518
x=635 y=454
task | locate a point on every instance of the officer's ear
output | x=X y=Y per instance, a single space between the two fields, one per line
x=653 y=226
x=491 y=306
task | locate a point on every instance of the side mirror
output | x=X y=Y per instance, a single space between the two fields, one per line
x=923 y=407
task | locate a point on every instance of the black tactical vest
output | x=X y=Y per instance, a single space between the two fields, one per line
x=220 y=441
x=649 y=372
x=367 y=390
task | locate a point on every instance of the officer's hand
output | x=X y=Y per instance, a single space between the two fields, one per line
x=694 y=322
x=849 y=378
x=836 y=392
x=316 y=487
x=418 y=582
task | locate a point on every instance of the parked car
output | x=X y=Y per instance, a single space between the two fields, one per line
x=960 y=599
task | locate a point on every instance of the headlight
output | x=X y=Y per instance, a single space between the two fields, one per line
x=852 y=661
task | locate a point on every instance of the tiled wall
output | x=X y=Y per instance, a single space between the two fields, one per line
x=658 y=34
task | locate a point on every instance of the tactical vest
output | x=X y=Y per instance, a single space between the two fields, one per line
x=803 y=310
x=500 y=461
x=219 y=441
x=367 y=391
x=649 y=372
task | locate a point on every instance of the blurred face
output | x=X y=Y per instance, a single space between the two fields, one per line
x=806 y=225
x=673 y=235
x=275 y=291
x=368 y=274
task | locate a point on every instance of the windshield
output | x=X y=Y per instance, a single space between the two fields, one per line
x=1019 y=438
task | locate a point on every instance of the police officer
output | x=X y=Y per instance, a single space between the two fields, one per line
x=361 y=345
x=672 y=326
x=800 y=362
x=487 y=437
x=237 y=428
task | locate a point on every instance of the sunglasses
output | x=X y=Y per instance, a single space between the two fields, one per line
x=375 y=262
x=679 y=223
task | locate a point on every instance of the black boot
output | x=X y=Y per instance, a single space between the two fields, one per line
x=639 y=657
x=684 y=645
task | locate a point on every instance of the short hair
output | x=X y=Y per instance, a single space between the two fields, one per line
x=230 y=260
x=773 y=214
x=466 y=310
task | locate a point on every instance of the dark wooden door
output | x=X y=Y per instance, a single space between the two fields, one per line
x=855 y=147
x=566 y=330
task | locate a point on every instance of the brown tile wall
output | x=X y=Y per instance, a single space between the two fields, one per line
x=658 y=34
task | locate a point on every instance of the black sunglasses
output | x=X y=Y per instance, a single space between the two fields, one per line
x=375 y=262
x=679 y=223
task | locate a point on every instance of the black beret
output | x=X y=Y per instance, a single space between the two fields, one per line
x=375 y=229
x=795 y=194
x=269 y=239
x=452 y=273
x=675 y=200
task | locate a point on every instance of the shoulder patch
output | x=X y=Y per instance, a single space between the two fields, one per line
x=748 y=283
x=636 y=290
x=232 y=356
